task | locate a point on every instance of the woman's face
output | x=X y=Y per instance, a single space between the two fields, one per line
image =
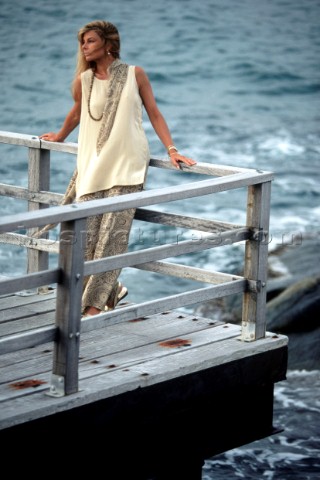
x=93 y=46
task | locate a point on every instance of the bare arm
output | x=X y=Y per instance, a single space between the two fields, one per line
x=156 y=118
x=72 y=119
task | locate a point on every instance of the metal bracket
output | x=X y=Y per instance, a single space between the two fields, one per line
x=260 y=235
x=248 y=331
x=57 y=386
x=256 y=286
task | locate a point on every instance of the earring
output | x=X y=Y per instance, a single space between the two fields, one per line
x=108 y=53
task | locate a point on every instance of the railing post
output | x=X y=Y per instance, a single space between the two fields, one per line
x=256 y=262
x=38 y=179
x=68 y=309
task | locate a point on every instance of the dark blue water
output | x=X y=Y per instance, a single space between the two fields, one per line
x=239 y=84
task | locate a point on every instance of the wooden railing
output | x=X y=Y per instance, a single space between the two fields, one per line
x=68 y=275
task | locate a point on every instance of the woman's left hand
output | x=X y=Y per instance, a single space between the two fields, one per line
x=176 y=158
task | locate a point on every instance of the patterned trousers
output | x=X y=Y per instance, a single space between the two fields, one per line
x=106 y=235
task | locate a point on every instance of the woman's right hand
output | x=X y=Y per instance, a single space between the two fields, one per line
x=51 y=137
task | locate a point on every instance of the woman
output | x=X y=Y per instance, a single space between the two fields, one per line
x=113 y=152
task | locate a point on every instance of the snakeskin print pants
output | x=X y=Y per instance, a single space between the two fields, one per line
x=106 y=235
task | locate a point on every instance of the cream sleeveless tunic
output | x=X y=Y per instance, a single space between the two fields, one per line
x=125 y=156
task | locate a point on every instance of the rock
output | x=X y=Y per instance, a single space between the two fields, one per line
x=297 y=308
x=304 y=351
x=287 y=264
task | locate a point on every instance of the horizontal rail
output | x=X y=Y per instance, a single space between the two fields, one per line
x=201 y=168
x=34 y=141
x=132 y=200
x=41 y=244
x=32 y=280
x=168 y=219
x=171 y=219
x=21 y=193
x=39 y=336
x=189 y=273
x=164 y=304
x=139 y=257
x=132 y=259
x=20 y=139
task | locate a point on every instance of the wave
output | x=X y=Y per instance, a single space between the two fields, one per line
x=290 y=454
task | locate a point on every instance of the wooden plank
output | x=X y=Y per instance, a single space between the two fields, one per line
x=30 y=281
x=19 y=387
x=139 y=334
x=11 y=343
x=111 y=357
x=11 y=302
x=180 y=247
x=201 y=168
x=25 y=311
x=70 y=147
x=152 y=307
x=19 y=139
x=122 y=314
x=156 y=348
x=109 y=342
x=21 y=193
x=200 y=224
x=135 y=332
x=19 y=361
x=187 y=360
x=148 y=197
x=150 y=372
x=103 y=361
x=27 y=339
x=52 y=246
x=142 y=327
x=38 y=179
x=256 y=262
x=31 y=321
x=63 y=147
x=189 y=273
x=42 y=244
x=68 y=311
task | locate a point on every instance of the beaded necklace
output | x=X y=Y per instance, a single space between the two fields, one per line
x=89 y=100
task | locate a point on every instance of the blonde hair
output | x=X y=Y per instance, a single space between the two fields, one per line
x=107 y=32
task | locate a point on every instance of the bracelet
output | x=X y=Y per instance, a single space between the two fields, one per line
x=172 y=147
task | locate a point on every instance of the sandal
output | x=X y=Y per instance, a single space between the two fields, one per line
x=118 y=293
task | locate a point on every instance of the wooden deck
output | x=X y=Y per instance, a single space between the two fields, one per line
x=113 y=360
